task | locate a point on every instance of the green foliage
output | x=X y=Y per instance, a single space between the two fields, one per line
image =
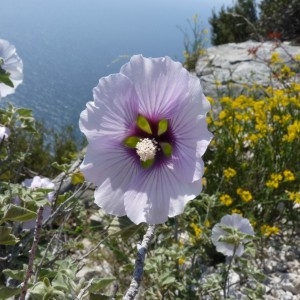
x=234 y=24
x=31 y=147
x=252 y=168
x=269 y=19
x=279 y=19
x=4 y=77
x=194 y=45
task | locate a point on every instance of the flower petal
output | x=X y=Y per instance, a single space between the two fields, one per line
x=155 y=194
x=110 y=167
x=13 y=64
x=160 y=84
x=191 y=134
x=113 y=111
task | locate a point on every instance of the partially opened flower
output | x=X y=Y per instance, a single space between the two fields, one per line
x=43 y=183
x=11 y=63
x=147 y=131
x=4 y=133
x=230 y=235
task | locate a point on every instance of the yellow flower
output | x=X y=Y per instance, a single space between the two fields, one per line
x=275 y=58
x=288 y=175
x=226 y=100
x=204 y=182
x=207 y=223
x=297 y=57
x=229 y=150
x=226 y=200
x=286 y=71
x=269 y=230
x=293 y=132
x=210 y=99
x=209 y=119
x=274 y=180
x=236 y=211
x=197 y=230
x=254 y=138
x=181 y=260
x=229 y=173
x=244 y=194
x=294 y=196
x=222 y=114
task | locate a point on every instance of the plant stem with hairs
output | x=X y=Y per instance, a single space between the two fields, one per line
x=36 y=238
x=139 y=264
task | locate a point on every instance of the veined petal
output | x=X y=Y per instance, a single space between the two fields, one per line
x=113 y=111
x=106 y=158
x=13 y=64
x=191 y=133
x=109 y=166
x=154 y=195
x=160 y=83
x=188 y=192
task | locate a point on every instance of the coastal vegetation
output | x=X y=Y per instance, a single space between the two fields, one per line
x=73 y=250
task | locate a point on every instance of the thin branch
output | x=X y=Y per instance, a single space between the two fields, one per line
x=139 y=264
x=43 y=258
x=59 y=209
x=36 y=238
x=84 y=290
x=260 y=38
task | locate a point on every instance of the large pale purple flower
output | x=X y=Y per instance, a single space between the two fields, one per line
x=4 y=133
x=229 y=235
x=146 y=132
x=35 y=183
x=10 y=62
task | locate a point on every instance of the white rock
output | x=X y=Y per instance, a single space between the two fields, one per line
x=236 y=65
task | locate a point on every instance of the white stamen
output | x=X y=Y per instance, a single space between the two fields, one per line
x=146 y=149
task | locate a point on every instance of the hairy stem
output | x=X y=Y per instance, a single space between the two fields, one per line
x=36 y=238
x=139 y=264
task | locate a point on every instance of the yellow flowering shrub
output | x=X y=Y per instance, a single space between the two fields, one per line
x=254 y=154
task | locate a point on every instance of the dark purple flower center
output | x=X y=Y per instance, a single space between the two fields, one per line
x=157 y=131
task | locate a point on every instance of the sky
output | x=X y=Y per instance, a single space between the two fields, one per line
x=67 y=45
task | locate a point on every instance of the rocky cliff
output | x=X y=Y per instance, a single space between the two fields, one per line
x=235 y=66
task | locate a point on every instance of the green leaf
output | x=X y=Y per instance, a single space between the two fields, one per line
x=6 y=238
x=122 y=226
x=166 y=279
x=162 y=126
x=25 y=112
x=102 y=283
x=131 y=141
x=167 y=149
x=6 y=292
x=17 y=213
x=47 y=282
x=99 y=297
x=61 y=167
x=41 y=291
x=4 y=78
x=14 y=274
x=143 y=124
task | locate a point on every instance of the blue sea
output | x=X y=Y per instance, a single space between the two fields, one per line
x=67 y=45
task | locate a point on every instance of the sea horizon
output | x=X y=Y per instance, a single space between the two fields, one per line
x=66 y=47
